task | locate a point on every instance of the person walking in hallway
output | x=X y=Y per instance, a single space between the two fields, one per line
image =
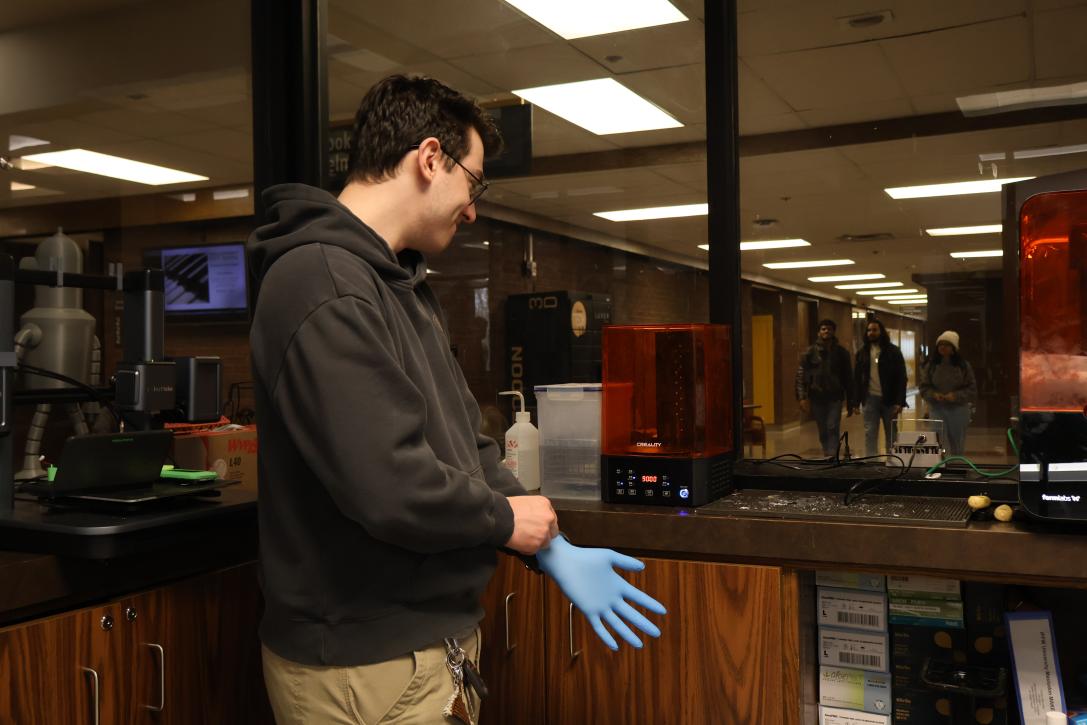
x=880 y=373
x=949 y=388
x=824 y=381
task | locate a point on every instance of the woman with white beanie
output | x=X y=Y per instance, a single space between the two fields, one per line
x=950 y=389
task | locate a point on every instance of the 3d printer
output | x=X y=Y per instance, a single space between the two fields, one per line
x=1049 y=219
x=666 y=424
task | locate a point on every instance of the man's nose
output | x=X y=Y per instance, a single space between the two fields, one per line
x=469 y=213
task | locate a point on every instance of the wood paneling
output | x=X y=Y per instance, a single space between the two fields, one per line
x=513 y=669
x=718 y=660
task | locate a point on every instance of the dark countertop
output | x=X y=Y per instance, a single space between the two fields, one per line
x=35 y=583
x=983 y=550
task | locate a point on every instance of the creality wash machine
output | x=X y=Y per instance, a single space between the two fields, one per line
x=1045 y=229
x=53 y=351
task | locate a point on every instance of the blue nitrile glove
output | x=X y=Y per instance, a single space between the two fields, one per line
x=586 y=576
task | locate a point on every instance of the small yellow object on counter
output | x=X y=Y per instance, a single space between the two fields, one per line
x=1003 y=512
x=976 y=503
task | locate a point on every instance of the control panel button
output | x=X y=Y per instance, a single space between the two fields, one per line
x=684 y=492
x=649 y=492
x=666 y=494
x=620 y=491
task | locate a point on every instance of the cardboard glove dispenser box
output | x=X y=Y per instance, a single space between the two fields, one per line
x=231 y=454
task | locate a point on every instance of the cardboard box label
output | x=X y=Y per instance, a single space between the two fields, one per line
x=851 y=608
x=839 y=716
x=855 y=689
x=923 y=587
x=851 y=580
x=845 y=648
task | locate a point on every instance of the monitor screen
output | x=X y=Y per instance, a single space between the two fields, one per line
x=203 y=282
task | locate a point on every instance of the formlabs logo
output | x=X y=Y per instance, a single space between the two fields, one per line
x=1062 y=497
x=242 y=446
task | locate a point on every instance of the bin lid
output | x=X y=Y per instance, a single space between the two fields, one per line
x=569 y=388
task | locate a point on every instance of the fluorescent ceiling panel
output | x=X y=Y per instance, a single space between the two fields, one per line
x=846 y=277
x=1003 y=101
x=224 y=194
x=908 y=302
x=773 y=244
x=957 y=231
x=867 y=285
x=984 y=186
x=978 y=254
x=888 y=292
x=902 y=297
x=1050 y=151
x=656 y=212
x=16 y=186
x=579 y=19
x=809 y=263
x=92 y=162
x=17 y=141
x=602 y=106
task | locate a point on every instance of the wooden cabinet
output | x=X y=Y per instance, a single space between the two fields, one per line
x=724 y=657
x=512 y=634
x=186 y=653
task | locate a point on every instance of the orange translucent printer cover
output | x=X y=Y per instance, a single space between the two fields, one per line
x=667 y=390
x=1053 y=302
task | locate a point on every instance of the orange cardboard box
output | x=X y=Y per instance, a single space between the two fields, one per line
x=232 y=454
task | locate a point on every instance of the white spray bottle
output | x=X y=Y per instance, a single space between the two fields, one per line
x=523 y=447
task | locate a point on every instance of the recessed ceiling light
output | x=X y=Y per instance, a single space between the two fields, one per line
x=773 y=244
x=902 y=296
x=16 y=186
x=984 y=186
x=1004 y=101
x=224 y=194
x=888 y=292
x=846 y=277
x=704 y=247
x=602 y=106
x=956 y=231
x=656 y=212
x=92 y=162
x=185 y=196
x=578 y=19
x=16 y=142
x=923 y=301
x=867 y=285
x=1050 y=151
x=982 y=253
x=809 y=263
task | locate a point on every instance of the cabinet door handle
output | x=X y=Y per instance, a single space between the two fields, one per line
x=509 y=647
x=94 y=679
x=162 y=677
x=573 y=654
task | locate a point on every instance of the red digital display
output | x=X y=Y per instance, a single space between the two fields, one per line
x=649 y=479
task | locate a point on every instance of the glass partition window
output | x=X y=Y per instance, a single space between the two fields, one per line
x=878 y=143
x=600 y=124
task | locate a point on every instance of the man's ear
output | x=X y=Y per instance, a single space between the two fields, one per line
x=430 y=158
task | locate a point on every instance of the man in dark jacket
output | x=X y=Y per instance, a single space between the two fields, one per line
x=381 y=505
x=824 y=380
x=880 y=372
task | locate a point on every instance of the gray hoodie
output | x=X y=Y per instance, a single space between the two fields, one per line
x=381 y=506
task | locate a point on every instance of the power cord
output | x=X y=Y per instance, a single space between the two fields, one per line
x=967 y=461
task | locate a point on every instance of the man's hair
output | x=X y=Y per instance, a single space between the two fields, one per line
x=399 y=112
x=829 y=323
x=884 y=338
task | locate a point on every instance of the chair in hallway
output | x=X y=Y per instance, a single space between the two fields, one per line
x=754 y=433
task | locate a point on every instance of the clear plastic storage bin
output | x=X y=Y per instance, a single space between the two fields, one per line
x=569 y=418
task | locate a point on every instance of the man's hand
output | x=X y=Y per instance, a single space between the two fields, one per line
x=805 y=405
x=534 y=524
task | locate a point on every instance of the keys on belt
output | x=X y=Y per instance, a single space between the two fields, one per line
x=464 y=674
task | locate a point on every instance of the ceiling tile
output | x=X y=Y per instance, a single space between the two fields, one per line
x=647 y=48
x=538 y=65
x=1058 y=42
x=820 y=79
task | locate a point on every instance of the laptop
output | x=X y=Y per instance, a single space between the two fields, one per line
x=115 y=467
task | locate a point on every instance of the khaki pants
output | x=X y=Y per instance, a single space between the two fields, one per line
x=408 y=690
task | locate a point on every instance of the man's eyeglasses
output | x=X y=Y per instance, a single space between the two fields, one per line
x=478 y=185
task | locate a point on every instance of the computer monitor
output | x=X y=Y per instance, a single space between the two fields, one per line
x=206 y=282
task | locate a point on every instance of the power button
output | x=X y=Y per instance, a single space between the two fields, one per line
x=684 y=493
